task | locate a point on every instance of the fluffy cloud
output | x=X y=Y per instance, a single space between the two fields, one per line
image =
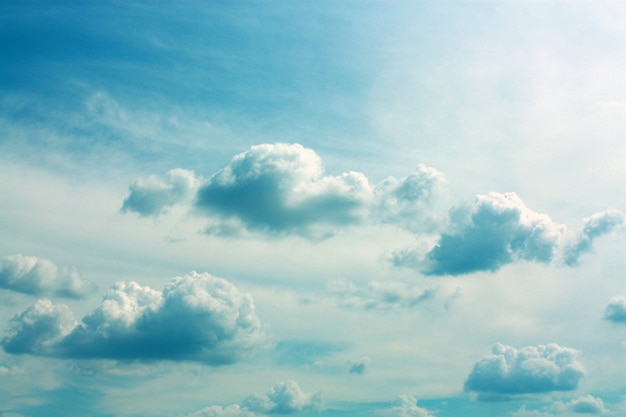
x=152 y=196
x=593 y=227
x=359 y=366
x=533 y=369
x=281 y=189
x=498 y=229
x=495 y=230
x=377 y=294
x=587 y=404
x=37 y=276
x=406 y=406
x=616 y=309
x=197 y=317
x=284 y=398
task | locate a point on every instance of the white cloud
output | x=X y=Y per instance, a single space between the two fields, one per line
x=585 y=405
x=378 y=294
x=406 y=406
x=616 y=309
x=532 y=369
x=196 y=317
x=597 y=225
x=153 y=195
x=284 y=398
x=281 y=189
x=219 y=411
x=38 y=276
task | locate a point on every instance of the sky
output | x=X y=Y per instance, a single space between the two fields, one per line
x=252 y=208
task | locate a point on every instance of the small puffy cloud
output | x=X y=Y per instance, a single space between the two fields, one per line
x=616 y=309
x=378 y=294
x=284 y=398
x=281 y=189
x=406 y=406
x=593 y=227
x=219 y=411
x=359 y=366
x=153 y=195
x=534 y=369
x=495 y=230
x=38 y=276
x=585 y=405
x=197 y=317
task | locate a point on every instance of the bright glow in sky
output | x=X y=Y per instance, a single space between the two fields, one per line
x=405 y=209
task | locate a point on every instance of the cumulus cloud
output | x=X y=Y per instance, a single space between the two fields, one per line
x=38 y=276
x=495 y=230
x=534 y=369
x=284 y=398
x=593 y=227
x=616 y=309
x=153 y=195
x=585 y=405
x=281 y=189
x=406 y=406
x=498 y=229
x=378 y=294
x=196 y=317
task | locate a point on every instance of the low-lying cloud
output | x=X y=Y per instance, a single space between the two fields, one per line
x=283 y=398
x=281 y=189
x=38 y=276
x=534 y=369
x=585 y=405
x=196 y=317
x=616 y=309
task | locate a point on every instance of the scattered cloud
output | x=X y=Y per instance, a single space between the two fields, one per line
x=281 y=189
x=593 y=227
x=196 y=317
x=358 y=367
x=534 y=369
x=378 y=294
x=284 y=398
x=585 y=405
x=616 y=309
x=498 y=229
x=406 y=406
x=153 y=195
x=38 y=276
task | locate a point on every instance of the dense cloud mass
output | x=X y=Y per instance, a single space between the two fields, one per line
x=378 y=294
x=152 y=196
x=616 y=309
x=197 y=317
x=37 y=276
x=533 y=369
x=281 y=189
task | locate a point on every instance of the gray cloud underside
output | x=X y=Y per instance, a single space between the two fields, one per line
x=38 y=276
x=498 y=229
x=616 y=309
x=281 y=188
x=533 y=369
x=197 y=317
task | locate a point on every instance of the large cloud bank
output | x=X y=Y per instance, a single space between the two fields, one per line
x=281 y=188
x=284 y=398
x=38 y=276
x=498 y=229
x=197 y=317
x=534 y=369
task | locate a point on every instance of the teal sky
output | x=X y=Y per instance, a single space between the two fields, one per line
x=222 y=209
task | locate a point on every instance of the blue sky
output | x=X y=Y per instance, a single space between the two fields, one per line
x=312 y=209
